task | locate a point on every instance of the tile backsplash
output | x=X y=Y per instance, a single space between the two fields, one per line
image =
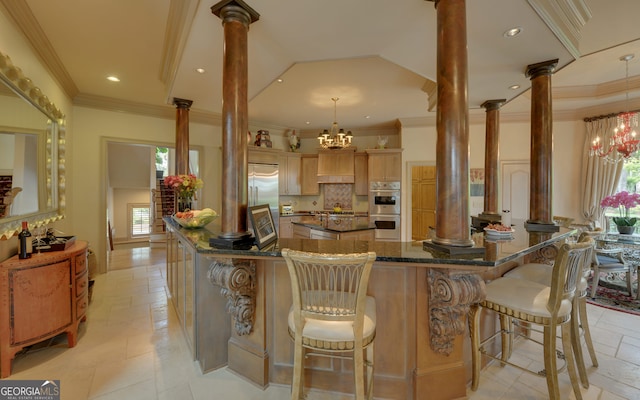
x=341 y=193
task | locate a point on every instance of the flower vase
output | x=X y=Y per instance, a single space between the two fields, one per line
x=184 y=203
x=626 y=230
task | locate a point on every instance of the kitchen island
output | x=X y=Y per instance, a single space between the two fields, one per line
x=422 y=298
x=341 y=229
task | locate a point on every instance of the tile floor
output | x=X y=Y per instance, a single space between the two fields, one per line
x=131 y=347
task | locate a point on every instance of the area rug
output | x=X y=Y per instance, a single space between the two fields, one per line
x=614 y=295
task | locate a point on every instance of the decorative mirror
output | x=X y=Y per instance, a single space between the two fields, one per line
x=31 y=153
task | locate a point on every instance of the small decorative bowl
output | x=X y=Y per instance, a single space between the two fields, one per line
x=194 y=222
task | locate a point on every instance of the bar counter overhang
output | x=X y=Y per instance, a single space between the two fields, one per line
x=241 y=299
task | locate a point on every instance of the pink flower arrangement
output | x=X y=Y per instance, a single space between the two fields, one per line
x=623 y=201
x=184 y=185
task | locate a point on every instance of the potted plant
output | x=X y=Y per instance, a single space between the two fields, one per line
x=623 y=201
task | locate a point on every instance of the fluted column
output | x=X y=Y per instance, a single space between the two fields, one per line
x=540 y=194
x=491 y=157
x=236 y=17
x=452 y=124
x=182 y=135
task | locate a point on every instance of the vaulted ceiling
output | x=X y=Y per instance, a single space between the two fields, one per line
x=377 y=56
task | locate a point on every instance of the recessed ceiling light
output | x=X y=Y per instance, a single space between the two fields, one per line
x=113 y=78
x=509 y=33
x=367 y=116
x=514 y=87
x=279 y=80
x=200 y=70
x=308 y=122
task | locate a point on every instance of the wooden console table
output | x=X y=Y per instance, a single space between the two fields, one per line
x=41 y=297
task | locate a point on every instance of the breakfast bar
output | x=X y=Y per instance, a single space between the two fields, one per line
x=233 y=307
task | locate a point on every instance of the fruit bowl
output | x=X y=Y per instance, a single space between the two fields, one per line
x=194 y=219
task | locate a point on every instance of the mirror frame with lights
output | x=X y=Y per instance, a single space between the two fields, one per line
x=52 y=205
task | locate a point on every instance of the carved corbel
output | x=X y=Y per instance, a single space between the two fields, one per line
x=237 y=279
x=449 y=299
x=545 y=255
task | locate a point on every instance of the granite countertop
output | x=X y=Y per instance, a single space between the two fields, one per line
x=495 y=252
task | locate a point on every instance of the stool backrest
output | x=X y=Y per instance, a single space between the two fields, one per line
x=567 y=271
x=328 y=286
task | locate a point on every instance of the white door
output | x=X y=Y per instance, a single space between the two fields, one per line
x=515 y=190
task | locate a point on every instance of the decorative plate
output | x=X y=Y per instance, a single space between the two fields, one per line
x=494 y=232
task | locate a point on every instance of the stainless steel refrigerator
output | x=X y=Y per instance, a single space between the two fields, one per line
x=263 y=187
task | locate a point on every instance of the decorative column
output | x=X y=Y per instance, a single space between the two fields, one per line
x=491 y=157
x=236 y=17
x=182 y=135
x=452 y=125
x=540 y=194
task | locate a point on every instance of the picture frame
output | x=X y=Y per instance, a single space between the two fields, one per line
x=263 y=226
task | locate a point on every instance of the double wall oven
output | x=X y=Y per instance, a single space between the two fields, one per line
x=384 y=209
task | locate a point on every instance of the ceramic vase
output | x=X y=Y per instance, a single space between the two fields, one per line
x=626 y=230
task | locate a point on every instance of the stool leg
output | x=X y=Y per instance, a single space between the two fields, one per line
x=570 y=359
x=474 y=332
x=358 y=369
x=297 y=385
x=576 y=342
x=584 y=322
x=550 y=365
x=369 y=366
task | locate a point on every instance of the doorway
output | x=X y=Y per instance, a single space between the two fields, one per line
x=515 y=176
x=423 y=200
x=131 y=186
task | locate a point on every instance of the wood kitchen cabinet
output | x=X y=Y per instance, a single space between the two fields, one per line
x=301 y=232
x=361 y=183
x=336 y=166
x=180 y=281
x=385 y=165
x=42 y=296
x=367 y=235
x=309 y=182
x=285 y=226
x=289 y=174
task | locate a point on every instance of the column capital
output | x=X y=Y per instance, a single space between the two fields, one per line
x=235 y=10
x=541 y=68
x=491 y=105
x=182 y=103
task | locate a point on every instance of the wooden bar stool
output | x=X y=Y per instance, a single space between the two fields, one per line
x=331 y=313
x=542 y=273
x=534 y=304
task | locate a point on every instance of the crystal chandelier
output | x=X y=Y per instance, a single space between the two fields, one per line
x=335 y=138
x=624 y=139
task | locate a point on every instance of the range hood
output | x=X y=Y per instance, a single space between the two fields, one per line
x=336 y=166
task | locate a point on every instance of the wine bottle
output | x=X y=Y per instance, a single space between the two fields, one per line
x=26 y=246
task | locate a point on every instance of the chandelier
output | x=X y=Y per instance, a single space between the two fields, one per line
x=335 y=138
x=624 y=139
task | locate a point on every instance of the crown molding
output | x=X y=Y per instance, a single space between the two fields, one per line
x=179 y=21
x=166 y=111
x=565 y=18
x=25 y=21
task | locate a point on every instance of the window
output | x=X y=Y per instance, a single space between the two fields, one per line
x=630 y=182
x=140 y=220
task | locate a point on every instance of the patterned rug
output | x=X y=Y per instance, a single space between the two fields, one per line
x=613 y=294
